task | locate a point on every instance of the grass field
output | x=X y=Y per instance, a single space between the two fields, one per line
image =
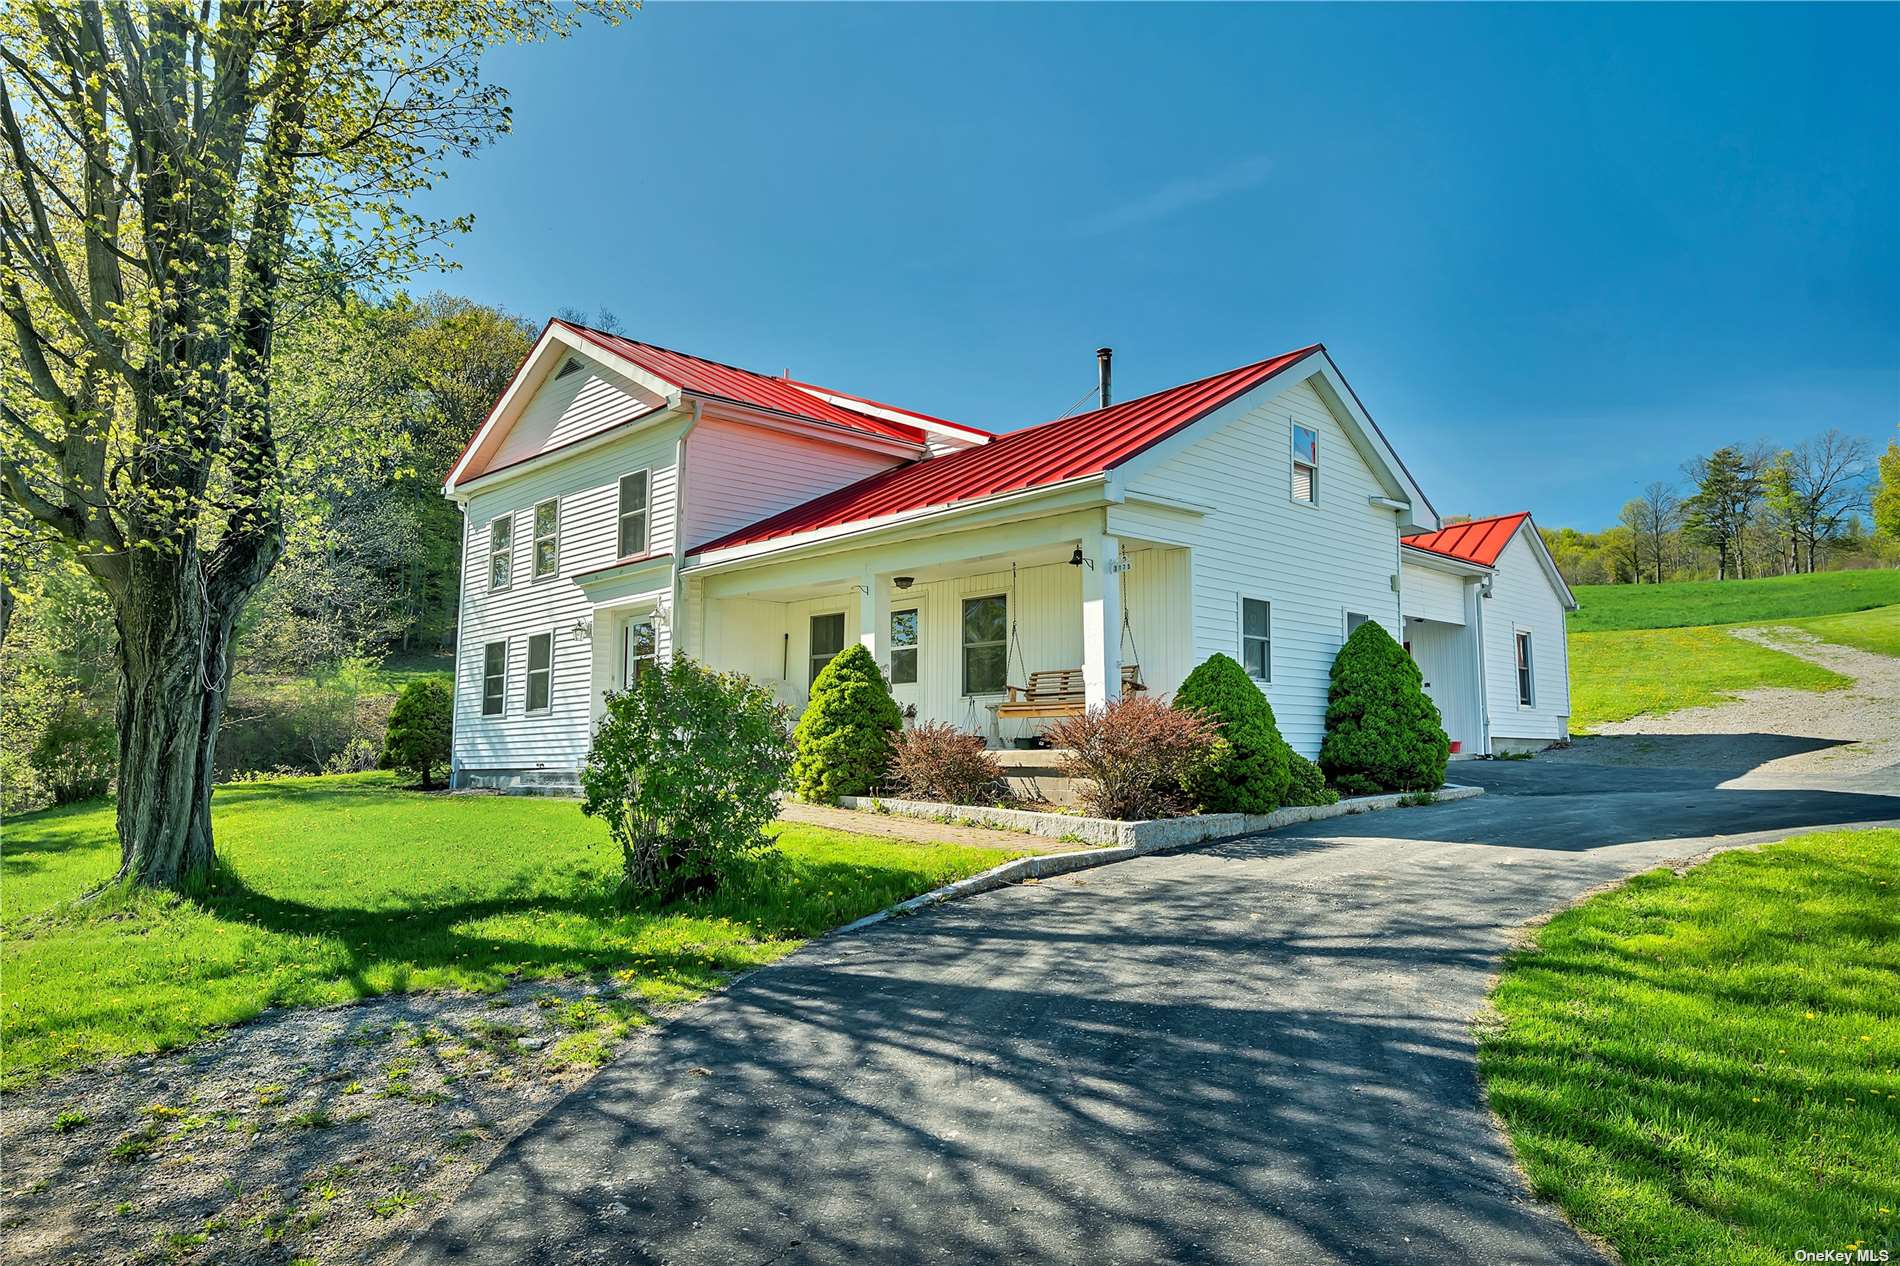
x=343 y=887
x=1682 y=604
x=1649 y=649
x=1615 y=676
x=1706 y=1067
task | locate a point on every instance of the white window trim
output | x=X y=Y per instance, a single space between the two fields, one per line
x=489 y=552
x=904 y=600
x=534 y=543
x=527 y=672
x=1240 y=634
x=1530 y=656
x=844 y=641
x=1292 y=461
x=963 y=648
x=481 y=703
x=646 y=512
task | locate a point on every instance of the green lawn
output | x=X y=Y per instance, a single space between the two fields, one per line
x=1706 y=1068
x=1682 y=604
x=343 y=887
x=1618 y=675
x=1877 y=630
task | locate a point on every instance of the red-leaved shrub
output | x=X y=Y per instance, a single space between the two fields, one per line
x=936 y=761
x=1134 y=756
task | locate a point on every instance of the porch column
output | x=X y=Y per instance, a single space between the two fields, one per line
x=1101 y=619
x=874 y=617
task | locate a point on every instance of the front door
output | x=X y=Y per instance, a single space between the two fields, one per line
x=639 y=650
x=906 y=648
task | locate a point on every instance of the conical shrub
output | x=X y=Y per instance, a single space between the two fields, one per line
x=1247 y=770
x=843 y=742
x=1383 y=733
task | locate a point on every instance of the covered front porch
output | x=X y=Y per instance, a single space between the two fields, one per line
x=955 y=620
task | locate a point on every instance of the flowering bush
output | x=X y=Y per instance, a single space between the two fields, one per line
x=1135 y=756
x=685 y=769
x=936 y=761
x=844 y=739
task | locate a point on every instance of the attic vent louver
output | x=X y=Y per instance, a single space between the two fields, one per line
x=572 y=365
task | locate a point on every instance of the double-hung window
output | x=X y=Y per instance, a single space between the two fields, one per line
x=633 y=514
x=985 y=644
x=1305 y=463
x=1256 y=638
x=547 y=538
x=540 y=672
x=827 y=639
x=1526 y=685
x=904 y=647
x=494 y=679
x=501 y=541
x=643 y=650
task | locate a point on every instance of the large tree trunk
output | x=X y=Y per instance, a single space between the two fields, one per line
x=174 y=664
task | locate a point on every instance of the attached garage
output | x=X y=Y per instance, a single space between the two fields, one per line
x=1483 y=607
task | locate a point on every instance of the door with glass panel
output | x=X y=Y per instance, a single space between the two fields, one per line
x=827 y=639
x=904 y=649
x=639 y=652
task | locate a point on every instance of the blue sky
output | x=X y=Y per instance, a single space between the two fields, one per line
x=1556 y=250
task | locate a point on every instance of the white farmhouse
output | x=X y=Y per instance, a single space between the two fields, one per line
x=624 y=502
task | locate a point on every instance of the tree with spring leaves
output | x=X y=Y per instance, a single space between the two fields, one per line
x=180 y=181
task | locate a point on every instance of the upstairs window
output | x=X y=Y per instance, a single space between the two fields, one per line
x=633 y=514
x=985 y=644
x=827 y=639
x=501 y=541
x=1305 y=463
x=494 y=678
x=1526 y=684
x=547 y=538
x=1256 y=638
x=540 y=672
x=904 y=647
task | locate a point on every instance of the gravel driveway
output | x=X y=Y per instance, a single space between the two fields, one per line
x=1775 y=736
x=1255 y=1052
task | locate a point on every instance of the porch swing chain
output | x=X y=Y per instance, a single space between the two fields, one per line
x=1015 y=642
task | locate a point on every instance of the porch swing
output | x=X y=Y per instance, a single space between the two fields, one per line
x=1059 y=692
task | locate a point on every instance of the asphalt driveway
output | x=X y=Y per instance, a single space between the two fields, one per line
x=1254 y=1052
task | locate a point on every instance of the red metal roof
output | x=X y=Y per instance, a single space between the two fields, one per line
x=1035 y=457
x=1479 y=541
x=894 y=408
x=710 y=378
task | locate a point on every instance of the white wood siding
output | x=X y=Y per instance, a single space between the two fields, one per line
x=1311 y=561
x=587 y=486
x=569 y=409
x=738 y=474
x=1433 y=594
x=1522 y=597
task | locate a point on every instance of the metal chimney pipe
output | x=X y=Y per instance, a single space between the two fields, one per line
x=1103 y=355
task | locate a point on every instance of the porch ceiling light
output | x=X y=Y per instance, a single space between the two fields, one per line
x=903 y=582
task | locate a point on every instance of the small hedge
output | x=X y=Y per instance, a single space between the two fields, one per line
x=1135 y=756
x=843 y=742
x=1383 y=733
x=1246 y=772
x=1305 y=785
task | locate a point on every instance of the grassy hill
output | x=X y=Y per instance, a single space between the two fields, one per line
x=1689 y=603
x=1648 y=649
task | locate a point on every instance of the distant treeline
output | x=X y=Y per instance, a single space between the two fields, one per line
x=1827 y=504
